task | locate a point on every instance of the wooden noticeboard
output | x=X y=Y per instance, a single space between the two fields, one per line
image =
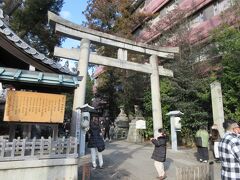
x=24 y=106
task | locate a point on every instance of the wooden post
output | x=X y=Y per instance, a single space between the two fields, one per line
x=12 y=131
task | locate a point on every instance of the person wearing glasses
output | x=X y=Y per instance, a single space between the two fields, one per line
x=229 y=151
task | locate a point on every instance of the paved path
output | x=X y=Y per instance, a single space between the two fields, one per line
x=126 y=161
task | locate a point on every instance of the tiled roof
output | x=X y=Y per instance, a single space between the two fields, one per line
x=36 y=77
x=37 y=56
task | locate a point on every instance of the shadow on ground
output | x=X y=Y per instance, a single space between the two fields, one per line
x=115 y=166
x=112 y=163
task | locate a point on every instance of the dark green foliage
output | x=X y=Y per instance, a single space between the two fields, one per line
x=30 y=22
x=185 y=92
x=106 y=90
x=191 y=96
x=89 y=90
x=227 y=40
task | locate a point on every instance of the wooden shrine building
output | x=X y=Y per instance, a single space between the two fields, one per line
x=23 y=68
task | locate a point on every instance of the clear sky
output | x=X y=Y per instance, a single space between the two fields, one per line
x=72 y=10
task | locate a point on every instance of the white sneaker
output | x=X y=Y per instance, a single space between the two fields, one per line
x=94 y=165
x=205 y=161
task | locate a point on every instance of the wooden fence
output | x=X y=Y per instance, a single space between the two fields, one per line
x=21 y=149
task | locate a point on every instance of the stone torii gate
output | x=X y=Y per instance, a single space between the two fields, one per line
x=87 y=36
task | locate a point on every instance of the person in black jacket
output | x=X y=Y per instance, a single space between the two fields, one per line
x=159 y=153
x=96 y=143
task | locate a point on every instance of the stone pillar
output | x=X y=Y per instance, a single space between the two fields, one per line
x=155 y=91
x=80 y=91
x=217 y=106
x=173 y=134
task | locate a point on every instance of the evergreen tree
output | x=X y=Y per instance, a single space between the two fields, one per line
x=30 y=22
x=227 y=41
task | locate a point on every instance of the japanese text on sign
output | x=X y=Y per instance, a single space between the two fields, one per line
x=34 y=107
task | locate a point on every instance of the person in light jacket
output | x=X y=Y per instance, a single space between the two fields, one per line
x=159 y=153
x=202 y=150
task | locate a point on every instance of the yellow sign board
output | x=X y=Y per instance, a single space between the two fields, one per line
x=24 y=106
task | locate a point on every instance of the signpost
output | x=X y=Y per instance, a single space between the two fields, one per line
x=34 y=107
x=140 y=124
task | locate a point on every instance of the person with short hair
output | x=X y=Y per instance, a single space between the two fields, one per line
x=229 y=152
x=159 y=153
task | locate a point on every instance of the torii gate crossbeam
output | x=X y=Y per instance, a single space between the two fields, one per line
x=107 y=61
x=88 y=36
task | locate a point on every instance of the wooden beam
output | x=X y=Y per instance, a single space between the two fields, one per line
x=107 y=61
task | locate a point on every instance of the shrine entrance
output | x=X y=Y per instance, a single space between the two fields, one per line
x=88 y=36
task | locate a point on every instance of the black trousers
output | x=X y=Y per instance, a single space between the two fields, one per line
x=106 y=134
x=202 y=153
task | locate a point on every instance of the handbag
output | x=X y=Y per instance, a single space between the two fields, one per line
x=101 y=148
x=198 y=141
x=101 y=145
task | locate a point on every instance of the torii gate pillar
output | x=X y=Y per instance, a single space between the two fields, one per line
x=80 y=91
x=155 y=92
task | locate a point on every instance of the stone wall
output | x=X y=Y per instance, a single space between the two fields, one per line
x=50 y=169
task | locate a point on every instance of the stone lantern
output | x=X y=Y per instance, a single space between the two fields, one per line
x=122 y=125
x=135 y=134
x=175 y=126
x=82 y=125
